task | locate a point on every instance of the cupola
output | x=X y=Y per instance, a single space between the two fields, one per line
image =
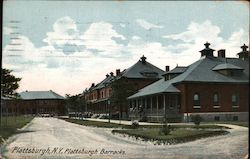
x=143 y=59
x=207 y=52
x=244 y=54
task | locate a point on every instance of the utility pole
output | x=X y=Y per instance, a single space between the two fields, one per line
x=109 y=109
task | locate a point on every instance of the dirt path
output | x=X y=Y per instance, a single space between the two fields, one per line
x=55 y=138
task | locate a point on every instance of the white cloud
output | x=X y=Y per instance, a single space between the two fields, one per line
x=101 y=36
x=146 y=25
x=198 y=33
x=136 y=37
x=122 y=25
x=65 y=32
x=205 y=31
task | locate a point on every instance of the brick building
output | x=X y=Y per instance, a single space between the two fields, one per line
x=41 y=102
x=216 y=88
x=9 y=106
x=139 y=75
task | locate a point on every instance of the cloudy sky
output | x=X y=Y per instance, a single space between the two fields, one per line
x=67 y=45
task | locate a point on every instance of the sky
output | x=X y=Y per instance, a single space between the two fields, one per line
x=65 y=46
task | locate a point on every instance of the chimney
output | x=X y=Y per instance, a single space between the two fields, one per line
x=93 y=85
x=107 y=75
x=111 y=74
x=222 y=53
x=166 y=68
x=118 y=72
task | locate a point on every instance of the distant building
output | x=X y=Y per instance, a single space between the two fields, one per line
x=216 y=88
x=40 y=102
x=137 y=76
x=9 y=105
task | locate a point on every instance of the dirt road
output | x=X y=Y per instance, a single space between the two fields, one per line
x=55 y=138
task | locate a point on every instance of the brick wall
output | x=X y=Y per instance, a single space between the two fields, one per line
x=207 y=90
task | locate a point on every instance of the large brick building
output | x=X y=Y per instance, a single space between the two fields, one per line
x=41 y=102
x=216 y=88
x=139 y=75
x=34 y=103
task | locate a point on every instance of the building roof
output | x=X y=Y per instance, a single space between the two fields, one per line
x=29 y=95
x=103 y=83
x=199 y=71
x=142 y=69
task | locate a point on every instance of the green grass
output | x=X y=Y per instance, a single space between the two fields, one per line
x=178 y=135
x=95 y=123
x=114 y=125
x=10 y=125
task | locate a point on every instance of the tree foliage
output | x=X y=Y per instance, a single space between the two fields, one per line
x=121 y=89
x=75 y=103
x=9 y=83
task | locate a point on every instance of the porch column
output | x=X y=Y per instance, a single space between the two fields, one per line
x=165 y=109
x=151 y=105
x=146 y=104
x=157 y=108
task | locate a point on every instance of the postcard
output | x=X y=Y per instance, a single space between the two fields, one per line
x=124 y=79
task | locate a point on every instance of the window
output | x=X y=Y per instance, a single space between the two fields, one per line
x=216 y=100
x=235 y=100
x=217 y=118
x=235 y=118
x=196 y=100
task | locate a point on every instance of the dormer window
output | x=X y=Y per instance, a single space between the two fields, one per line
x=174 y=72
x=149 y=74
x=228 y=69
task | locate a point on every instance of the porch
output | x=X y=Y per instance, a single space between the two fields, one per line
x=156 y=108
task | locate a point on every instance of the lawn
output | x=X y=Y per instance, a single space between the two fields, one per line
x=178 y=135
x=114 y=125
x=95 y=123
x=10 y=125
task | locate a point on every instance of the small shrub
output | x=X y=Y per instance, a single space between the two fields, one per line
x=166 y=129
x=135 y=125
x=196 y=119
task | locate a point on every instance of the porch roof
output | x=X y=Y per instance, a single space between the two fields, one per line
x=160 y=86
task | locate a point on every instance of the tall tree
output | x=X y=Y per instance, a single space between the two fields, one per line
x=121 y=89
x=9 y=83
x=75 y=103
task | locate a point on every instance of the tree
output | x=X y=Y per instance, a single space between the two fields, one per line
x=9 y=83
x=121 y=89
x=75 y=103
